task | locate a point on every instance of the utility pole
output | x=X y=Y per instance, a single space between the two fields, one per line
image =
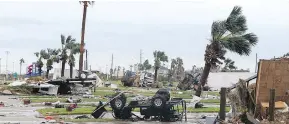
x=86 y=60
x=106 y=73
x=13 y=67
x=7 y=52
x=256 y=66
x=0 y=66
x=140 y=56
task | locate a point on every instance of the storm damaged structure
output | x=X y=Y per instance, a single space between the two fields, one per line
x=81 y=85
x=255 y=97
x=143 y=79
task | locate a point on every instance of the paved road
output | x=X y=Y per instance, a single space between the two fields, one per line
x=16 y=112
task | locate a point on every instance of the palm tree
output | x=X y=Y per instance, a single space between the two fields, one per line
x=40 y=55
x=229 y=34
x=229 y=65
x=74 y=49
x=21 y=62
x=146 y=65
x=52 y=56
x=173 y=69
x=65 y=42
x=179 y=68
x=159 y=56
x=118 y=69
x=85 y=4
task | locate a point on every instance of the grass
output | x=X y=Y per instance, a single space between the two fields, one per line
x=91 y=120
x=206 y=110
x=40 y=100
x=210 y=101
x=88 y=110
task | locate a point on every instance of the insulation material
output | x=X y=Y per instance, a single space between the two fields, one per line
x=272 y=74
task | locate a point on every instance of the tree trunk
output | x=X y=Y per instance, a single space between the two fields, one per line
x=71 y=70
x=117 y=75
x=82 y=37
x=39 y=71
x=47 y=73
x=156 y=75
x=63 y=67
x=203 y=79
x=20 y=70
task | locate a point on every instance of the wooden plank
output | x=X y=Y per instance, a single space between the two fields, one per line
x=258 y=81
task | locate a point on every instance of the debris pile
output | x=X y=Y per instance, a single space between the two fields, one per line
x=280 y=118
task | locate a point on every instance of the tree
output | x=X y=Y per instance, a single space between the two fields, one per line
x=65 y=44
x=229 y=65
x=118 y=69
x=172 y=69
x=160 y=57
x=180 y=70
x=74 y=48
x=229 y=34
x=51 y=56
x=40 y=55
x=146 y=65
x=85 y=4
x=21 y=62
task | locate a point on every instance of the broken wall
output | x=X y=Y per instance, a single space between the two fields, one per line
x=272 y=74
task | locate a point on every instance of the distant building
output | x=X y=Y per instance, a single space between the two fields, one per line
x=162 y=70
x=57 y=73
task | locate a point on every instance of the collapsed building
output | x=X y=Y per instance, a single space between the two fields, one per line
x=142 y=79
x=254 y=97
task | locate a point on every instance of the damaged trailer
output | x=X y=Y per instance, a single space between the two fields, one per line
x=74 y=85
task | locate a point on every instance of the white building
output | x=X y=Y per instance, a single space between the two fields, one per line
x=57 y=73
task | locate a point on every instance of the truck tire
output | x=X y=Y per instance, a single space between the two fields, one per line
x=158 y=101
x=165 y=93
x=118 y=103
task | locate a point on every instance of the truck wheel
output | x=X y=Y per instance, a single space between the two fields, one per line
x=164 y=92
x=158 y=101
x=118 y=103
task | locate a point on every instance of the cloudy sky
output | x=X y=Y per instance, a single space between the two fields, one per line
x=181 y=28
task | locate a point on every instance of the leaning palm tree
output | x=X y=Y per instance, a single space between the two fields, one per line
x=85 y=4
x=74 y=49
x=65 y=41
x=229 y=34
x=159 y=57
x=21 y=62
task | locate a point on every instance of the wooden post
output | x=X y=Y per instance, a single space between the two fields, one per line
x=272 y=105
x=222 y=113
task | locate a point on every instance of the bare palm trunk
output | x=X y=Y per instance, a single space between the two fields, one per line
x=62 y=67
x=203 y=79
x=40 y=71
x=71 y=70
x=47 y=73
x=82 y=37
x=20 y=70
x=156 y=75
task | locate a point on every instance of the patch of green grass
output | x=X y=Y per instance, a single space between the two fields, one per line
x=88 y=110
x=210 y=101
x=40 y=100
x=91 y=120
x=30 y=96
x=47 y=100
x=206 y=110
x=62 y=111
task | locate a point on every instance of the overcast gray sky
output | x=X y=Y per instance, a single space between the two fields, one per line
x=181 y=28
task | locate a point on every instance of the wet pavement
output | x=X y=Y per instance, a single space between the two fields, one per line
x=15 y=112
